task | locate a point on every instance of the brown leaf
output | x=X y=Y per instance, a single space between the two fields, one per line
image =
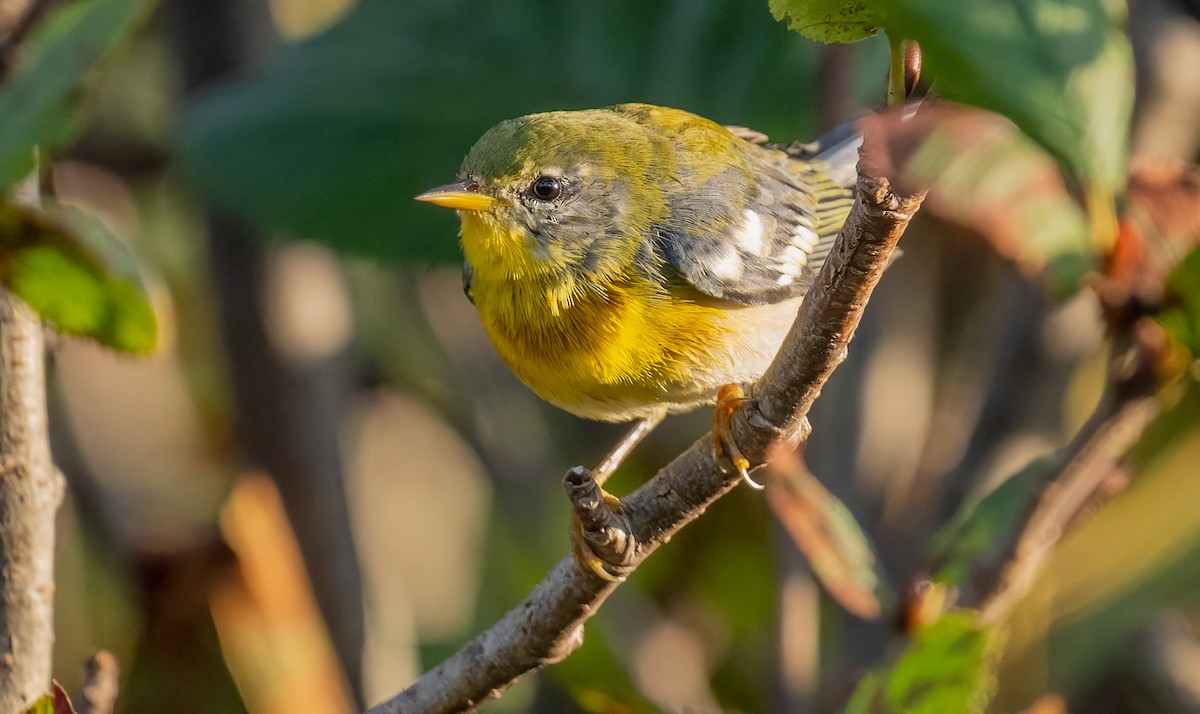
x=989 y=180
x=837 y=549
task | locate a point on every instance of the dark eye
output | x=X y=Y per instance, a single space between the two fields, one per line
x=545 y=188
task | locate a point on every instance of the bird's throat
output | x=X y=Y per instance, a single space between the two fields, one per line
x=496 y=248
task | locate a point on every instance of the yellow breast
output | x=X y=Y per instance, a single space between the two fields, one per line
x=612 y=351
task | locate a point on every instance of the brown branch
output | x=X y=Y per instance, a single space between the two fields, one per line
x=30 y=492
x=548 y=624
x=1127 y=409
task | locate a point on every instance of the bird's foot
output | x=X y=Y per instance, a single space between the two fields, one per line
x=601 y=541
x=728 y=399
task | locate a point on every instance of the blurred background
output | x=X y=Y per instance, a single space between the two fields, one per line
x=325 y=481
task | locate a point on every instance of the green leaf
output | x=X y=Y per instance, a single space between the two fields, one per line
x=67 y=286
x=333 y=136
x=1062 y=70
x=867 y=692
x=949 y=667
x=980 y=527
x=37 y=102
x=1181 y=319
x=56 y=702
x=44 y=705
x=827 y=20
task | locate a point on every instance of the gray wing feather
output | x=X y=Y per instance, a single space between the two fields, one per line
x=761 y=244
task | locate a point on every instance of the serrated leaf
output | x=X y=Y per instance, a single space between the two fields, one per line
x=838 y=550
x=1062 y=70
x=1181 y=317
x=36 y=102
x=67 y=286
x=827 y=21
x=948 y=667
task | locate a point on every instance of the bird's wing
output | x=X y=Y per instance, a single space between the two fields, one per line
x=758 y=242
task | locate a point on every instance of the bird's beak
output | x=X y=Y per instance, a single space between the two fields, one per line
x=463 y=195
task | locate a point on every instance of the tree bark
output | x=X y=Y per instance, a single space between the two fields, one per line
x=30 y=493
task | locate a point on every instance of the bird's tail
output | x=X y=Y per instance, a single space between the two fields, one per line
x=838 y=150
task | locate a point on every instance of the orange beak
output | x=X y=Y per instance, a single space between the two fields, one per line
x=464 y=196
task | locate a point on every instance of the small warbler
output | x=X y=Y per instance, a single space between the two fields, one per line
x=633 y=260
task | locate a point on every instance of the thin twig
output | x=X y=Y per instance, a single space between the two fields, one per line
x=548 y=625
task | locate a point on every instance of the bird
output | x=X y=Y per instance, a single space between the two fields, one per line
x=636 y=260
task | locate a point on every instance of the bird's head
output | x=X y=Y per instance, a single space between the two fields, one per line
x=561 y=191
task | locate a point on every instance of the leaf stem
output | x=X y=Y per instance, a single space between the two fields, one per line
x=896 y=84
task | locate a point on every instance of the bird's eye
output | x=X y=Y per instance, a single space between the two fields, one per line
x=545 y=188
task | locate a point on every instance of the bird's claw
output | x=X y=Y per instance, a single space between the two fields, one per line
x=728 y=400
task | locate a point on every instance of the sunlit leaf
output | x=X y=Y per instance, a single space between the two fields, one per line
x=37 y=101
x=56 y=702
x=827 y=20
x=67 y=286
x=949 y=667
x=1062 y=70
x=44 y=705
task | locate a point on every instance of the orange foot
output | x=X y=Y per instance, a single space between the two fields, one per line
x=728 y=399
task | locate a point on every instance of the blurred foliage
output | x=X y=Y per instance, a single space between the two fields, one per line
x=39 y=102
x=332 y=137
x=1120 y=569
x=947 y=668
x=827 y=20
x=980 y=527
x=991 y=180
x=55 y=272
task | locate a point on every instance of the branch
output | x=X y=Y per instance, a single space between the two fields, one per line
x=30 y=492
x=548 y=625
x=1128 y=407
